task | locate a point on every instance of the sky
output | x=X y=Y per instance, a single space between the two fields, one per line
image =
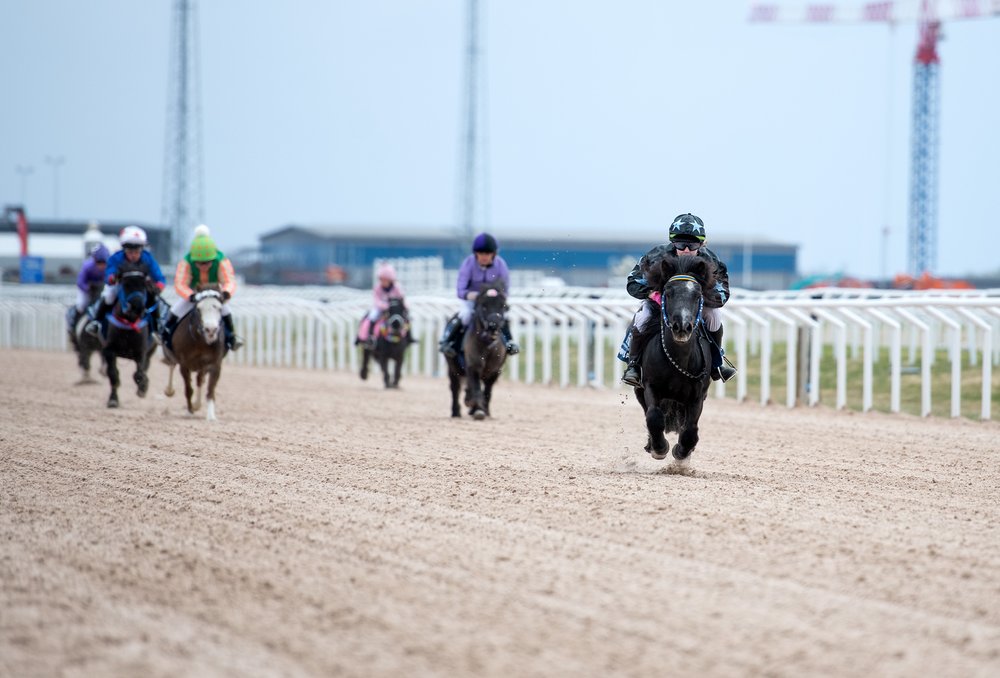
x=601 y=118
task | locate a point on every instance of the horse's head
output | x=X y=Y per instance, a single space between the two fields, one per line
x=396 y=321
x=208 y=315
x=682 y=282
x=491 y=307
x=132 y=293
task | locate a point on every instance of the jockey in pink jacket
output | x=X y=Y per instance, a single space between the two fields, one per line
x=385 y=289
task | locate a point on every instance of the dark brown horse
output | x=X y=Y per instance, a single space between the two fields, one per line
x=198 y=347
x=483 y=353
x=392 y=337
x=85 y=345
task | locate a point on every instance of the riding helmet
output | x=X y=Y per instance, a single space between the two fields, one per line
x=387 y=272
x=203 y=249
x=99 y=252
x=132 y=235
x=687 y=227
x=485 y=243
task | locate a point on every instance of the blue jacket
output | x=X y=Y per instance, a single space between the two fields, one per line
x=147 y=260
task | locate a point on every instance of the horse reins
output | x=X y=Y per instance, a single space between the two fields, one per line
x=663 y=327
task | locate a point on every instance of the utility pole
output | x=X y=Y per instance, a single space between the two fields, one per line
x=473 y=161
x=24 y=171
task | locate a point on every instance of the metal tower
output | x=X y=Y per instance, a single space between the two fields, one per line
x=183 y=196
x=924 y=153
x=474 y=192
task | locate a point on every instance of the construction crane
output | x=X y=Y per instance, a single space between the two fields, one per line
x=925 y=122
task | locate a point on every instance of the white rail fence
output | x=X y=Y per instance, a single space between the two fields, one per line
x=570 y=336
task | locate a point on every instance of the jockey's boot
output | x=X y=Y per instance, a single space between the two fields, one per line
x=632 y=375
x=233 y=342
x=721 y=368
x=167 y=335
x=449 y=337
x=71 y=320
x=93 y=328
x=512 y=346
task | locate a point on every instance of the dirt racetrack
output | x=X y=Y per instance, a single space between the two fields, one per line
x=324 y=526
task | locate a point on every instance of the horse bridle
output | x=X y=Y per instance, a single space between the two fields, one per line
x=198 y=298
x=663 y=326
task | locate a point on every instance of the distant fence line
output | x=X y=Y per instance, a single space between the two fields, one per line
x=571 y=335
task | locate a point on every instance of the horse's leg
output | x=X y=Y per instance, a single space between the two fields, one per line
x=657 y=445
x=488 y=392
x=688 y=435
x=213 y=379
x=399 y=367
x=365 y=355
x=640 y=397
x=474 y=395
x=112 y=363
x=198 y=392
x=383 y=362
x=188 y=389
x=142 y=366
x=455 y=381
x=169 y=392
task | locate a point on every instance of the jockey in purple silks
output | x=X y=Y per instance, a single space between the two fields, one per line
x=91 y=276
x=386 y=289
x=483 y=266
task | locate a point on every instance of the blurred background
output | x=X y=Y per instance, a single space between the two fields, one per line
x=314 y=137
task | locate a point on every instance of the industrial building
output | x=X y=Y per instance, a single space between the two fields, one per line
x=345 y=254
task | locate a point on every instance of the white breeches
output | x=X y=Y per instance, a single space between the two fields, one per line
x=82 y=300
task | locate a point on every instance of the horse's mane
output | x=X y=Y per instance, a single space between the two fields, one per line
x=485 y=299
x=672 y=264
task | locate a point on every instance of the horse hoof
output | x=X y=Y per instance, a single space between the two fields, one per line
x=680 y=454
x=364 y=375
x=658 y=454
x=112 y=403
x=479 y=415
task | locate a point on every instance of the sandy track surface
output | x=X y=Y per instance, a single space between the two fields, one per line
x=324 y=526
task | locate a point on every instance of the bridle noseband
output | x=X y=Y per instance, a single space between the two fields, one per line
x=664 y=329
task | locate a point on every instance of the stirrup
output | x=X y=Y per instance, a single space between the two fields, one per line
x=632 y=377
x=235 y=343
x=513 y=348
x=93 y=328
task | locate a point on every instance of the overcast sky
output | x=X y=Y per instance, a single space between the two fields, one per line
x=603 y=117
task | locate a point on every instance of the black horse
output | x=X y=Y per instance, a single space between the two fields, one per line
x=675 y=367
x=129 y=334
x=84 y=344
x=483 y=353
x=392 y=337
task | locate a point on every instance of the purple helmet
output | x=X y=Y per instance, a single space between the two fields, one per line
x=99 y=252
x=485 y=242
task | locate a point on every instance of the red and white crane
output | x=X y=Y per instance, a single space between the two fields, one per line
x=924 y=132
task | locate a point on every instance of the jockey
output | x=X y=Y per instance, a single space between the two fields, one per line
x=133 y=242
x=385 y=289
x=91 y=275
x=687 y=238
x=203 y=265
x=483 y=266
